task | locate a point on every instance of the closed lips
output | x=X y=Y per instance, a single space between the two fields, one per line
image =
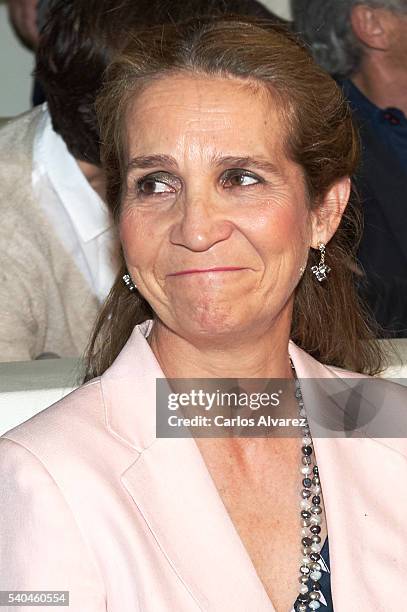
x=201 y=271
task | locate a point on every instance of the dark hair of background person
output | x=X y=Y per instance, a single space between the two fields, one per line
x=325 y=25
x=328 y=321
x=79 y=39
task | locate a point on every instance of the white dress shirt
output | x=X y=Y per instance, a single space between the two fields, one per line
x=78 y=215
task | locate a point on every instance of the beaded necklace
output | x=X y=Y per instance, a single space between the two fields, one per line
x=311 y=518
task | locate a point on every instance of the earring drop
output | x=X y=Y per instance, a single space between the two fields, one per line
x=321 y=270
x=128 y=282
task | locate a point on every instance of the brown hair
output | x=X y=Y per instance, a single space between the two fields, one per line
x=328 y=320
x=80 y=38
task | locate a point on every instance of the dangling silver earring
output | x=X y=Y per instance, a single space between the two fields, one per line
x=321 y=270
x=128 y=282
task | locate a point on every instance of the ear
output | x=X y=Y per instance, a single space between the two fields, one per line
x=371 y=26
x=326 y=218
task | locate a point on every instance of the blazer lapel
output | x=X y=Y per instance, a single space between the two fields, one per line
x=173 y=490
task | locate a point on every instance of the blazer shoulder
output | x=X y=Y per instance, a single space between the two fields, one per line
x=391 y=384
x=343 y=373
x=68 y=422
x=389 y=389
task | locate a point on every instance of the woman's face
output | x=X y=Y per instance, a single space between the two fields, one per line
x=215 y=223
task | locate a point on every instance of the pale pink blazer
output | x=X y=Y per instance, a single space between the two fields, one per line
x=92 y=502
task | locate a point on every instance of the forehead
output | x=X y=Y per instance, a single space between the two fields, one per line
x=203 y=114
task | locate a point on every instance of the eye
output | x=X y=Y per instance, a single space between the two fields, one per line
x=238 y=177
x=157 y=183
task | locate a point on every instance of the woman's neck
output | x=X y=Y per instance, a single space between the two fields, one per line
x=264 y=355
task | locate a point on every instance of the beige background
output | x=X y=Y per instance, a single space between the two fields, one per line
x=281 y=7
x=16 y=63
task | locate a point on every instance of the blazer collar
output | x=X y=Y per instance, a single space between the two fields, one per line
x=129 y=387
x=129 y=391
x=175 y=494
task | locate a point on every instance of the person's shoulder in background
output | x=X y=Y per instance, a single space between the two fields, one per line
x=45 y=302
x=17 y=136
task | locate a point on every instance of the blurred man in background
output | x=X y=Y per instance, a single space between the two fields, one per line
x=58 y=248
x=364 y=45
x=24 y=17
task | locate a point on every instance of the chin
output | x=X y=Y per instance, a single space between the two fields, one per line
x=212 y=324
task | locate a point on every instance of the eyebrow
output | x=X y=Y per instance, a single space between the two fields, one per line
x=151 y=161
x=241 y=162
x=154 y=161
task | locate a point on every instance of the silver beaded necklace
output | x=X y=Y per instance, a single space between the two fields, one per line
x=311 y=518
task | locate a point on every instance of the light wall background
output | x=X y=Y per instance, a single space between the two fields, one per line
x=16 y=63
x=281 y=7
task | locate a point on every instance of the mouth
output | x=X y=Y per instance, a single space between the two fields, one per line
x=206 y=270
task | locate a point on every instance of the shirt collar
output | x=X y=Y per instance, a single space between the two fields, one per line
x=84 y=206
x=360 y=102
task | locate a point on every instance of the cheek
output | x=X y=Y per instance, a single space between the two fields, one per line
x=281 y=231
x=138 y=238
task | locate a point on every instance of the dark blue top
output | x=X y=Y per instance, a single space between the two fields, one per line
x=390 y=124
x=324 y=581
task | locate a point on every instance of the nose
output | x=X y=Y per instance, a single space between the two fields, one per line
x=201 y=224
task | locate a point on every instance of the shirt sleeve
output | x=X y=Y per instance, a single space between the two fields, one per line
x=41 y=546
